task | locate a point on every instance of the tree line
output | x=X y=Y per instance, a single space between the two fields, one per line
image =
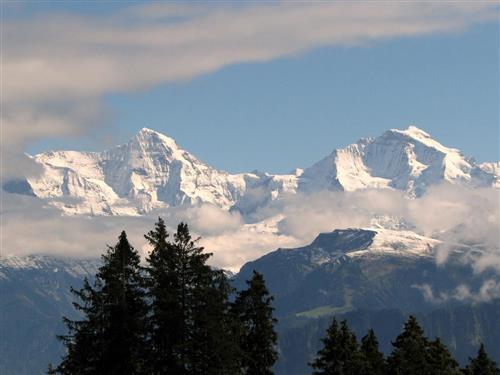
x=175 y=315
x=412 y=354
x=178 y=315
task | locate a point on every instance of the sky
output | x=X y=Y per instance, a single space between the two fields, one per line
x=243 y=99
x=243 y=86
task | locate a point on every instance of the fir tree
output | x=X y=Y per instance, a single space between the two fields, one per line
x=340 y=354
x=373 y=359
x=439 y=359
x=482 y=364
x=164 y=293
x=409 y=356
x=350 y=355
x=328 y=358
x=217 y=331
x=190 y=320
x=110 y=338
x=258 y=338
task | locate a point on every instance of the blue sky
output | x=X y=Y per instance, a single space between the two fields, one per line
x=290 y=111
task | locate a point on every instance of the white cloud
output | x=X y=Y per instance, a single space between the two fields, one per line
x=57 y=67
x=488 y=291
x=29 y=226
x=69 y=61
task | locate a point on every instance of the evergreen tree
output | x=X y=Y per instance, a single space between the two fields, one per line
x=190 y=321
x=328 y=358
x=340 y=354
x=164 y=293
x=350 y=354
x=217 y=330
x=439 y=359
x=253 y=309
x=110 y=338
x=409 y=356
x=482 y=364
x=373 y=359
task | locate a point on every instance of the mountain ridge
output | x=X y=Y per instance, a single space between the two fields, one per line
x=152 y=172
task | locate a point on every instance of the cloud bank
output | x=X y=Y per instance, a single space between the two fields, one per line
x=459 y=217
x=57 y=67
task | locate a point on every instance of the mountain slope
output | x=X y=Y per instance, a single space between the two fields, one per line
x=151 y=171
x=372 y=277
x=462 y=329
x=408 y=160
x=36 y=295
x=360 y=269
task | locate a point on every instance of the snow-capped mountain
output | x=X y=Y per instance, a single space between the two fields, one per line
x=347 y=269
x=151 y=171
x=408 y=160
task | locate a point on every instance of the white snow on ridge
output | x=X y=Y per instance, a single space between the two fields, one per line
x=77 y=268
x=151 y=171
x=400 y=243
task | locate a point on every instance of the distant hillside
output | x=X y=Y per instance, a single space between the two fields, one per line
x=462 y=328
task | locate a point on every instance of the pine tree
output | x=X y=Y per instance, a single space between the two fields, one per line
x=328 y=358
x=110 y=338
x=340 y=354
x=409 y=356
x=373 y=359
x=190 y=321
x=217 y=330
x=164 y=292
x=253 y=309
x=439 y=359
x=350 y=355
x=482 y=364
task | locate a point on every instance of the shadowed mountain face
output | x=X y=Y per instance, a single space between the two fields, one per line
x=354 y=269
x=462 y=328
x=371 y=277
x=374 y=279
x=340 y=272
x=35 y=295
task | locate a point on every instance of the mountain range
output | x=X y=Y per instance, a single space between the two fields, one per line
x=372 y=276
x=152 y=172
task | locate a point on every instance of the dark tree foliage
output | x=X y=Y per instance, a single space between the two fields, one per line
x=350 y=354
x=413 y=353
x=373 y=361
x=340 y=354
x=110 y=338
x=165 y=323
x=409 y=356
x=328 y=358
x=190 y=319
x=440 y=360
x=216 y=345
x=482 y=364
x=258 y=338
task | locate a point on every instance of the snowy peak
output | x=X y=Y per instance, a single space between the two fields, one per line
x=146 y=136
x=409 y=160
x=413 y=132
x=152 y=171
